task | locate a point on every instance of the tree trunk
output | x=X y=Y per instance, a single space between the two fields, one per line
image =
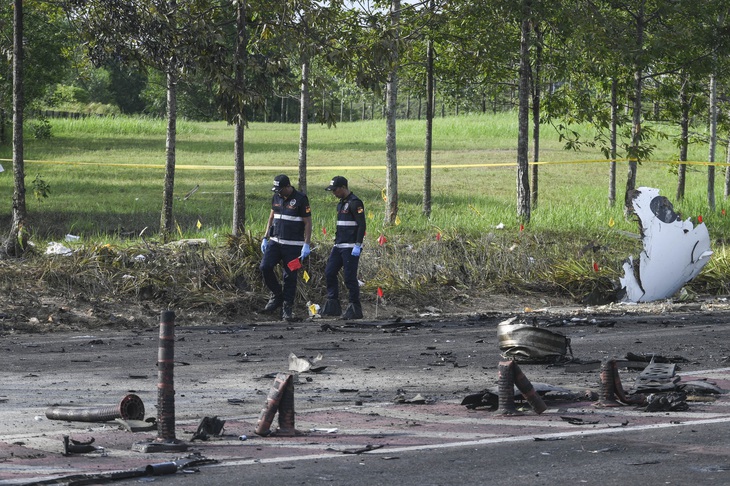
x=303 y=127
x=391 y=175
x=17 y=240
x=684 y=106
x=523 y=178
x=636 y=126
x=429 y=128
x=713 y=144
x=614 y=128
x=239 y=177
x=166 y=219
x=536 y=116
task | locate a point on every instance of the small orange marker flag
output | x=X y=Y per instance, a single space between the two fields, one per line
x=380 y=292
x=324 y=230
x=699 y=218
x=522 y=227
x=382 y=239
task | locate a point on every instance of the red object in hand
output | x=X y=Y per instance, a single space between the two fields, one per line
x=294 y=265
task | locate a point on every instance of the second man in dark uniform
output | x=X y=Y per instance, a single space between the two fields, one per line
x=346 y=252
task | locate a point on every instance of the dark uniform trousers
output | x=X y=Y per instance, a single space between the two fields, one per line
x=275 y=253
x=342 y=258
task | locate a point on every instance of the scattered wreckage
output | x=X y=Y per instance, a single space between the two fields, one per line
x=674 y=251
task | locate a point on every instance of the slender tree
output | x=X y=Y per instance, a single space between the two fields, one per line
x=17 y=240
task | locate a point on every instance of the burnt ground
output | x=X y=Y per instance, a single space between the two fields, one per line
x=94 y=353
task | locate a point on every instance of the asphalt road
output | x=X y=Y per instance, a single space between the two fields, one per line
x=359 y=416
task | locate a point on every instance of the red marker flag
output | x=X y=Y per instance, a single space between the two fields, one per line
x=324 y=230
x=294 y=265
x=595 y=266
x=438 y=236
x=382 y=239
x=699 y=218
x=522 y=227
x=380 y=292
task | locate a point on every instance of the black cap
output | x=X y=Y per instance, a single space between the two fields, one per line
x=337 y=181
x=281 y=181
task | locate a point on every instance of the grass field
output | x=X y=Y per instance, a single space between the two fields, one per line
x=106 y=179
x=106 y=174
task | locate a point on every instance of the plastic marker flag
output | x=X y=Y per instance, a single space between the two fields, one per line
x=371 y=216
x=438 y=236
x=324 y=230
x=305 y=277
x=382 y=194
x=397 y=220
x=380 y=292
x=199 y=225
x=382 y=239
x=699 y=219
x=313 y=308
x=611 y=222
x=294 y=265
x=522 y=227
x=595 y=267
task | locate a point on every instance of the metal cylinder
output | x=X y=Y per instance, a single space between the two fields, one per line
x=130 y=407
x=286 y=410
x=528 y=391
x=263 y=427
x=607 y=392
x=161 y=469
x=506 y=385
x=165 y=373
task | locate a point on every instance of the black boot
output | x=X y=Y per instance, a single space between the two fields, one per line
x=353 y=311
x=286 y=312
x=274 y=303
x=332 y=308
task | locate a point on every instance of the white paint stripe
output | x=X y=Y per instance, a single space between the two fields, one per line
x=488 y=441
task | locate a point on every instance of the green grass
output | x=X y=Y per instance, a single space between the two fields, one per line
x=106 y=179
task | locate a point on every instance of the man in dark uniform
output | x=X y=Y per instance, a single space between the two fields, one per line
x=287 y=238
x=346 y=252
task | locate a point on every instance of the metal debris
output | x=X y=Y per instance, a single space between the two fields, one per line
x=674 y=251
x=529 y=344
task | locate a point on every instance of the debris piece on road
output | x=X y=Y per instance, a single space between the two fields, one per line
x=674 y=251
x=71 y=446
x=303 y=365
x=361 y=450
x=579 y=421
x=528 y=343
x=137 y=425
x=280 y=399
x=667 y=402
x=209 y=426
x=130 y=407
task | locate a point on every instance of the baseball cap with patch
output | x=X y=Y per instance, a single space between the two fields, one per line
x=337 y=181
x=281 y=181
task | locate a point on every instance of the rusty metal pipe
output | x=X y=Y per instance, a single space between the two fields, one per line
x=273 y=399
x=165 y=373
x=506 y=385
x=528 y=391
x=130 y=407
x=607 y=392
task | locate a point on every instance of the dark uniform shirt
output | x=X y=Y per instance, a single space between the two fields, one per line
x=350 y=222
x=289 y=214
